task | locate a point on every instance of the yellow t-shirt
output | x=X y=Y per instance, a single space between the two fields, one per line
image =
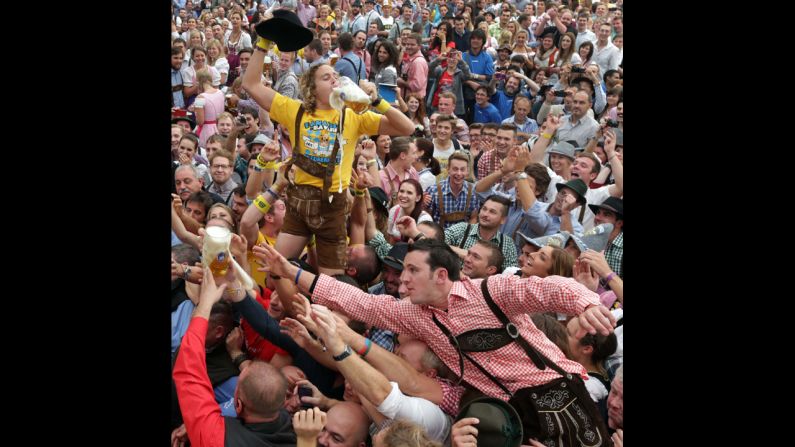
x=257 y=276
x=318 y=132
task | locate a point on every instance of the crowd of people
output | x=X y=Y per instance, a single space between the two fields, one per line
x=442 y=268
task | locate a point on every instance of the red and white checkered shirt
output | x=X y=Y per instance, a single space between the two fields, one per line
x=488 y=163
x=467 y=310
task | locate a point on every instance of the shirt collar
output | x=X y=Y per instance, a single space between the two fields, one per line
x=619 y=240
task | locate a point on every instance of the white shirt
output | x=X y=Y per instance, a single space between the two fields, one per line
x=607 y=58
x=422 y=412
x=583 y=36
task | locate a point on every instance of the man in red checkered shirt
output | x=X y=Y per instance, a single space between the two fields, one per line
x=439 y=298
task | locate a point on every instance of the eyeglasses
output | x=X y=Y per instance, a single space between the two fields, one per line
x=222 y=167
x=490 y=135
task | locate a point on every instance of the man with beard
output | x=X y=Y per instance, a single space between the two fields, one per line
x=358 y=21
x=177 y=97
x=392 y=268
x=503 y=98
x=483 y=260
x=359 y=42
x=492 y=215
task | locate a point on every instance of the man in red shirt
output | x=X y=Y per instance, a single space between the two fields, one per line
x=259 y=396
x=415 y=68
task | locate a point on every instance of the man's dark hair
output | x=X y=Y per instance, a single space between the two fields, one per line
x=179 y=40
x=367 y=267
x=345 y=41
x=176 y=50
x=357 y=32
x=491 y=126
x=459 y=18
x=202 y=197
x=250 y=110
x=608 y=73
x=240 y=191
x=496 y=258
x=539 y=173
x=436 y=227
x=316 y=45
x=522 y=17
x=250 y=51
x=504 y=201
x=403 y=8
x=440 y=255
x=478 y=34
x=221 y=315
x=185 y=254
x=476 y=126
x=508 y=126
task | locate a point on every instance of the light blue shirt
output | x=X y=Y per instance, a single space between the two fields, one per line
x=180 y=319
x=530 y=125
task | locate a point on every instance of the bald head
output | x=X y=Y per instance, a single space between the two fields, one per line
x=346 y=426
x=262 y=388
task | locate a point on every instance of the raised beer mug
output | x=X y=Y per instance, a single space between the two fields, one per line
x=215 y=251
x=350 y=95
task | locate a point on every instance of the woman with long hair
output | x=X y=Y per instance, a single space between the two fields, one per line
x=409 y=203
x=546 y=54
x=217 y=59
x=426 y=165
x=416 y=112
x=586 y=53
x=235 y=40
x=439 y=44
x=383 y=68
x=208 y=106
x=566 y=55
x=513 y=28
x=548 y=261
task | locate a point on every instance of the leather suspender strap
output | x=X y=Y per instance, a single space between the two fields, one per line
x=466 y=235
x=462 y=354
x=469 y=198
x=538 y=359
x=326 y=172
x=441 y=204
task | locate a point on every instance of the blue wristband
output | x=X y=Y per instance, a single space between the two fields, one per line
x=297 y=275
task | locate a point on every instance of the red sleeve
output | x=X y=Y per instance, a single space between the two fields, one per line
x=201 y=413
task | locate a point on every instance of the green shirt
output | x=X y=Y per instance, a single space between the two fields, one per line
x=454 y=234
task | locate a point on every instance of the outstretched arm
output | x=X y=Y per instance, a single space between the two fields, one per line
x=252 y=78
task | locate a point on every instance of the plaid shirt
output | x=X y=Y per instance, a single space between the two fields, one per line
x=380 y=245
x=452 y=203
x=454 y=234
x=489 y=162
x=468 y=310
x=381 y=337
x=451 y=396
x=615 y=255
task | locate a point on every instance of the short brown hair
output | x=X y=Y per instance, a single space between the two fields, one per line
x=222 y=153
x=448 y=95
x=445 y=117
x=458 y=155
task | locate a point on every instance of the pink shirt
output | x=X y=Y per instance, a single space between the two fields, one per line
x=390 y=180
x=468 y=310
x=417 y=69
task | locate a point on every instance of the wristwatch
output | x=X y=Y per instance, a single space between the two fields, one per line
x=344 y=354
x=376 y=102
x=522 y=176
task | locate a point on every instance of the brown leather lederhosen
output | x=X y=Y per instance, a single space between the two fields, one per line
x=560 y=411
x=458 y=215
x=313 y=168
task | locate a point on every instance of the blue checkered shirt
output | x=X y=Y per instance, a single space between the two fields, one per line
x=382 y=337
x=452 y=203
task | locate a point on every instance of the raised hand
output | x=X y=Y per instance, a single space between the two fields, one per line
x=596 y=318
x=597 y=262
x=368 y=149
x=234 y=342
x=553 y=123
x=308 y=424
x=585 y=276
x=271 y=260
x=407 y=226
x=210 y=293
x=327 y=328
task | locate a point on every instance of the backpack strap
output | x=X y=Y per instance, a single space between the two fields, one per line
x=441 y=203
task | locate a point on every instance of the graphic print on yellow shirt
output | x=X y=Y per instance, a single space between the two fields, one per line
x=318 y=133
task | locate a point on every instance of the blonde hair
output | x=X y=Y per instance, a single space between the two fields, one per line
x=203 y=76
x=308 y=88
x=407 y=434
x=506 y=37
x=221 y=50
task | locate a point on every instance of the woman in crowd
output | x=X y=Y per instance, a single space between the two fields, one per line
x=383 y=66
x=416 y=111
x=217 y=59
x=450 y=79
x=208 y=106
x=235 y=40
x=190 y=84
x=409 y=203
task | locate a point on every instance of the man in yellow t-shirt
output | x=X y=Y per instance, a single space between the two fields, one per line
x=318 y=203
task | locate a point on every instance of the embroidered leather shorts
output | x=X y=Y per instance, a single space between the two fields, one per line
x=307 y=214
